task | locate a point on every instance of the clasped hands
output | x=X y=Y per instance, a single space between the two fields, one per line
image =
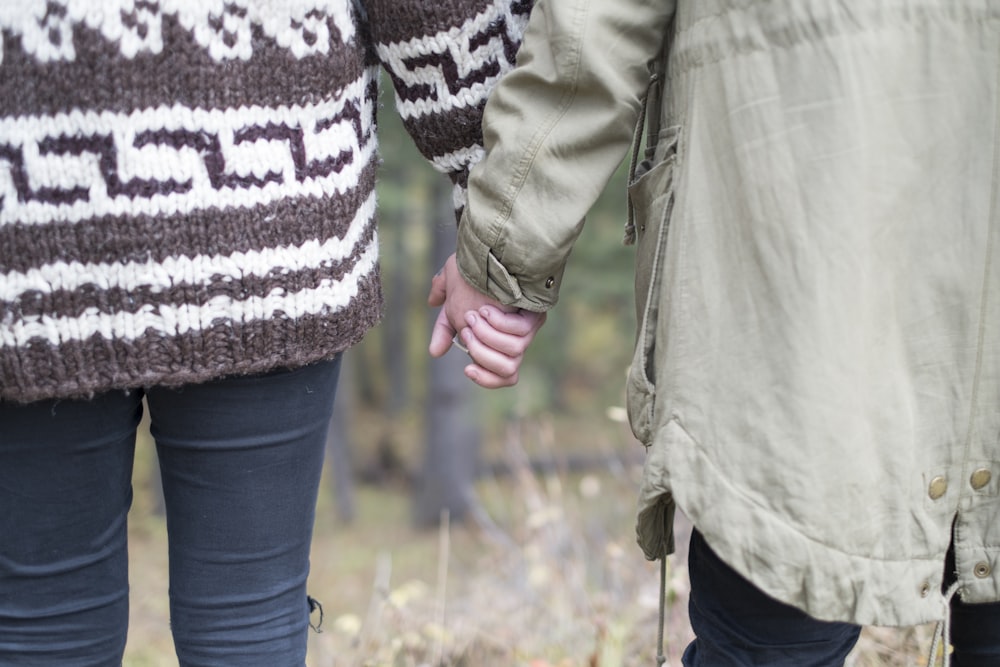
x=496 y=336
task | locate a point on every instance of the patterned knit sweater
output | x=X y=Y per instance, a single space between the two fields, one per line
x=187 y=186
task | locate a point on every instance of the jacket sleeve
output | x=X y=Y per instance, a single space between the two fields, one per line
x=444 y=57
x=555 y=129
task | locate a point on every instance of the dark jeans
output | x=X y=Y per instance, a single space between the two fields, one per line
x=240 y=460
x=737 y=625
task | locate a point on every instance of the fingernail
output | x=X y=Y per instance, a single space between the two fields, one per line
x=470 y=319
x=485 y=312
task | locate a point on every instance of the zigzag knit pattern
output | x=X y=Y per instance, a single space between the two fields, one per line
x=224 y=28
x=442 y=80
x=187 y=186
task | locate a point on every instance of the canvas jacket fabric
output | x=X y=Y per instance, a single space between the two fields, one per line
x=817 y=369
x=187 y=186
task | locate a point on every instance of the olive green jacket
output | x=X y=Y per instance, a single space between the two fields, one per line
x=817 y=368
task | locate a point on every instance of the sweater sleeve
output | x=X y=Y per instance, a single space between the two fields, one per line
x=444 y=57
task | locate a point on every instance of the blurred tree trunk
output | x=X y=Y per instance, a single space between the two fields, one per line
x=396 y=272
x=453 y=437
x=395 y=327
x=338 y=442
x=364 y=378
x=557 y=362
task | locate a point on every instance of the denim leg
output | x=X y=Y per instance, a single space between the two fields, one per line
x=975 y=628
x=975 y=634
x=65 y=491
x=736 y=624
x=241 y=460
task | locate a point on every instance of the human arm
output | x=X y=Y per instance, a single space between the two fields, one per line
x=443 y=58
x=555 y=130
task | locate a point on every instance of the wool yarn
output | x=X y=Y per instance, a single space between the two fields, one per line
x=187 y=186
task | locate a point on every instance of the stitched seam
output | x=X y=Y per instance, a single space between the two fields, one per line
x=524 y=167
x=959 y=529
x=984 y=298
x=791 y=527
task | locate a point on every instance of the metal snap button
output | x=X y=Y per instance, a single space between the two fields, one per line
x=550 y=282
x=938 y=487
x=980 y=478
x=982 y=569
x=925 y=589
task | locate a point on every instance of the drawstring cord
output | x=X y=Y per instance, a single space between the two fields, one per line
x=942 y=632
x=634 y=162
x=661 y=659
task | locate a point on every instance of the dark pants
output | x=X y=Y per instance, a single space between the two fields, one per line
x=738 y=625
x=240 y=460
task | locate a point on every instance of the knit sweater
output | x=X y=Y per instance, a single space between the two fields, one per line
x=187 y=186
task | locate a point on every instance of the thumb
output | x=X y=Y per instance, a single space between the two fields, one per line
x=438 y=291
x=441 y=335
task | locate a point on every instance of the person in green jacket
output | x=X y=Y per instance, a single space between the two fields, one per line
x=817 y=366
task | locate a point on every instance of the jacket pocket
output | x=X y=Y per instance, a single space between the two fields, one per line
x=652 y=197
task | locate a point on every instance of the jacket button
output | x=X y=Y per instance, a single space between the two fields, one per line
x=980 y=478
x=550 y=281
x=982 y=569
x=938 y=487
x=925 y=589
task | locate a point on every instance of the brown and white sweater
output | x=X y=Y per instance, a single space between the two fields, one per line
x=187 y=186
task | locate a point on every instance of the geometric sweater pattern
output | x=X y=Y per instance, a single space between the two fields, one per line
x=187 y=186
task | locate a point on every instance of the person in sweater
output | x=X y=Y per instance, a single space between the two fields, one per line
x=817 y=365
x=187 y=215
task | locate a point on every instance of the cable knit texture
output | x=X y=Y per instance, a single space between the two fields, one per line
x=187 y=186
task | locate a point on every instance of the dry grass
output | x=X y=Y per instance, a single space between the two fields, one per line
x=556 y=581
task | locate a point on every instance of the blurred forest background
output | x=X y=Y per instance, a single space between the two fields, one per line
x=458 y=526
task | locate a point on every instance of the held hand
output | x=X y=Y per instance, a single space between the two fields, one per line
x=495 y=336
x=456 y=297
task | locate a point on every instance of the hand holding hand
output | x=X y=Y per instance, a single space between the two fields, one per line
x=495 y=336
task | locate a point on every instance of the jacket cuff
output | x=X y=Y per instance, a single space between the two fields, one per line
x=482 y=269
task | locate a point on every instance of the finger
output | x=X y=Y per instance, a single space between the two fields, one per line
x=508 y=344
x=488 y=380
x=519 y=323
x=438 y=291
x=441 y=336
x=488 y=358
